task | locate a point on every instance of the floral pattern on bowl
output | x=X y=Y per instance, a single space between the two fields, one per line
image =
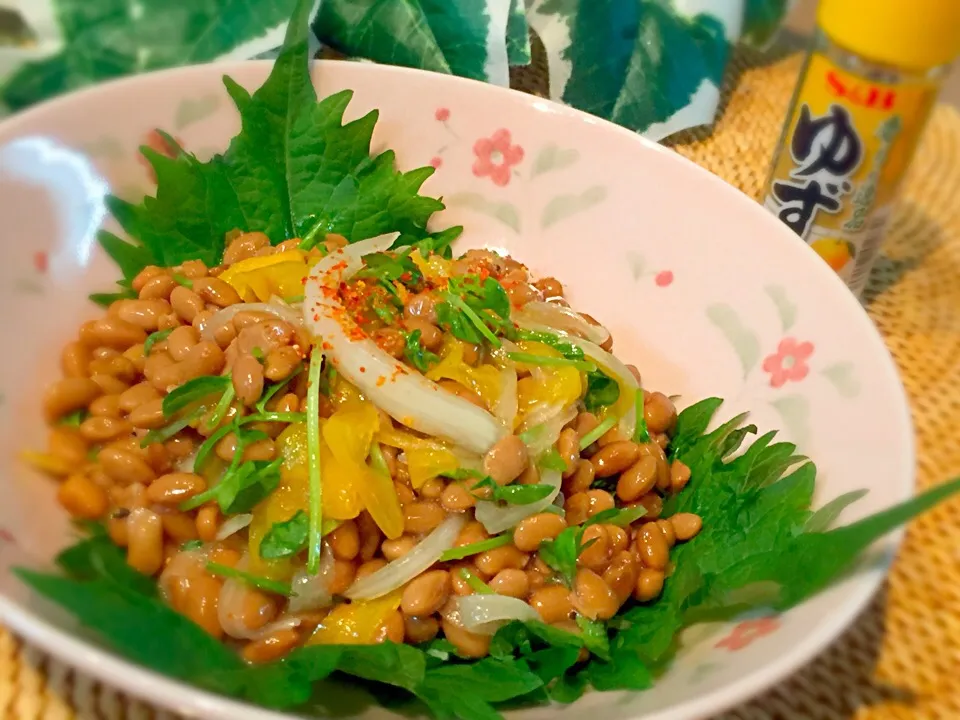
x=703 y=290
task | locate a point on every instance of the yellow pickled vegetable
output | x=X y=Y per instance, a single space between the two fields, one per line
x=550 y=385
x=259 y=278
x=48 y=463
x=340 y=500
x=434 y=268
x=344 y=394
x=407 y=441
x=483 y=380
x=349 y=434
x=355 y=623
x=291 y=495
x=426 y=463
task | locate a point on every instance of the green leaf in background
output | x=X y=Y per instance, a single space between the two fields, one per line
x=395 y=32
x=518 y=34
x=651 y=65
x=464 y=37
x=762 y=19
x=676 y=59
x=104 y=39
x=471 y=34
x=636 y=63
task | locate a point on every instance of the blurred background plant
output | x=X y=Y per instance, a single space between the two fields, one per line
x=654 y=66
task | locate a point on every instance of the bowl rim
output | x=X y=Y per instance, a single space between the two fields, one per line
x=114 y=671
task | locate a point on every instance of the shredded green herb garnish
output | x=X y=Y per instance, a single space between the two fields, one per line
x=515 y=494
x=475 y=583
x=598 y=432
x=166 y=432
x=289 y=537
x=256 y=581
x=641 y=434
x=416 y=354
x=108 y=299
x=567 y=349
x=551 y=460
x=75 y=418
x=468 y=312
x=313 y=461
x=617 y=516
x=183 y=280
x=154 y=338
x=531 y=359
x=561 y=552
x=194 y=391
x=458 y=553
x=277 y=387
x=602 y=391
x=222 y=406
x=208 y=445
x=531 y=434
x=244 y=484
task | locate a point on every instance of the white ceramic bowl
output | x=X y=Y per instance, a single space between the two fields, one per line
x=706 y=292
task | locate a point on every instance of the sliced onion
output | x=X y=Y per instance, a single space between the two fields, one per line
x=505 y=409
x=284 y=623
x=485 y=614
x=404 y=394
x=234 y=524
x=232 y=607
x=555 y=417
x=312 y=592
x=495 y=518
x=186 y=464
x=405 y=568
x=222 y=317
x=610 y=364
x=558 y=317
x=182 y=566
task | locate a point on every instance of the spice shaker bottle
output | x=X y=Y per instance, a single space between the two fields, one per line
x=865 y=93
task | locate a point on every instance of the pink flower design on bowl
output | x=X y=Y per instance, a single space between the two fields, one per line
x=748 y=631
x=789 y=362
x=664 y=278
x=442 y=114
x=496 y=156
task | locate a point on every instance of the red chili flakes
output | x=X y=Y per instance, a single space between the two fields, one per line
x=362 y=369
x=381 y=380
x=316 y=317
x=326 y=346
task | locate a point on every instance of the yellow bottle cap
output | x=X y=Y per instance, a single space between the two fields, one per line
x=919 y=34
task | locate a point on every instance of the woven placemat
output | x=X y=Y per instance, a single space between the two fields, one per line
x=901 y=660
